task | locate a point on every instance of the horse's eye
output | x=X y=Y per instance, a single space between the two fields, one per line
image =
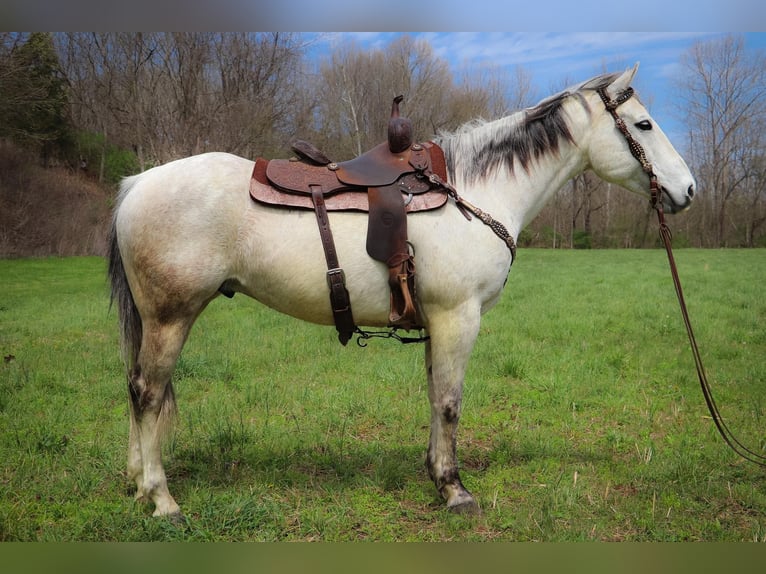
x=644 y=125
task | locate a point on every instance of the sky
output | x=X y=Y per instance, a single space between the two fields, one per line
x=556 y=60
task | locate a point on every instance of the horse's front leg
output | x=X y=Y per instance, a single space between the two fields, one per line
x=452 y=336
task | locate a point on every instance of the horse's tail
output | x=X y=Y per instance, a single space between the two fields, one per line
x=131 y=328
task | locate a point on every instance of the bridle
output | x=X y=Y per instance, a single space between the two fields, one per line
x=635 y=148
x=656 y=202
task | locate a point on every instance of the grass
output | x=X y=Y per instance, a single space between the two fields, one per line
x=582 y=415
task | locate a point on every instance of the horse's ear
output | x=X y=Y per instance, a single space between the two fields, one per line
x=623 y=82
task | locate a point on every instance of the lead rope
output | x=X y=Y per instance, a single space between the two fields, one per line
x=723 y=429
x=665 y=234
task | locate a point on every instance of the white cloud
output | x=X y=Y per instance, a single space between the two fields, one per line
x=530 y=47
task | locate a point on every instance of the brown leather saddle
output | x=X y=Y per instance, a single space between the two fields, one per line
x=388 y=182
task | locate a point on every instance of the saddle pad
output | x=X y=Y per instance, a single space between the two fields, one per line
x=341 y=201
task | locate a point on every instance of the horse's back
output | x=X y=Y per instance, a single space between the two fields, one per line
x=188 y=194
x=212 y=173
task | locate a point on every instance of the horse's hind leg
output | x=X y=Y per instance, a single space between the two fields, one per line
x=452 y=336
x=152 y=406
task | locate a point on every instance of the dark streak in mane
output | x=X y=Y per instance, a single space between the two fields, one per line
x=538 y=131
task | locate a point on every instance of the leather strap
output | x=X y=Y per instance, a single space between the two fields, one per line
x=336 y=279
x=728 y=436
x=655 y=191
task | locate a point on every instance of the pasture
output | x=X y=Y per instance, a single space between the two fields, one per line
x=582 y=415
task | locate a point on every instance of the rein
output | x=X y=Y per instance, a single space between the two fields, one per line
x=656 y=202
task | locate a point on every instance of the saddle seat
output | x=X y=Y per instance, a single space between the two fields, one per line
x=379 y=166
x=388 y=182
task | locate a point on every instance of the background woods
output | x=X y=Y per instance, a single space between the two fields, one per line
x=78 y=111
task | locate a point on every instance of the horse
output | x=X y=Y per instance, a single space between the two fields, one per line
x=187 y=231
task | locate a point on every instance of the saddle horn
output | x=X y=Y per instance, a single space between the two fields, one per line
x=399 y=129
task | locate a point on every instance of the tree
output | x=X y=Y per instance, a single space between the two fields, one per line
x=723 y=90
x=115 y=94
x=264 y=98
x=33 y=97
x=168 y=95
x=357 y=87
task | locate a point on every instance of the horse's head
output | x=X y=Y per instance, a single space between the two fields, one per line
x=614 y=157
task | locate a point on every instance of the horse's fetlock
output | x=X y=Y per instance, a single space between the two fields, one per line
x=445 y=479
x=449 y=477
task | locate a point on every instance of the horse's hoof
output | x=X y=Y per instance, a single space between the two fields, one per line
x=467 y=508
x=177 y=518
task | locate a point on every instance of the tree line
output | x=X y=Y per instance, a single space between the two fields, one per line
x=118 y=103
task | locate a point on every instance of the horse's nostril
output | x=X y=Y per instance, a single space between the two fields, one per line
x=690 y=191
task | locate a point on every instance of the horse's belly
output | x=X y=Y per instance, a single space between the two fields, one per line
x=286 y=268
x=282 y=264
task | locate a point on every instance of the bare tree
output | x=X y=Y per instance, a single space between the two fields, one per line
x=114 y=87
x=751 y=163
x=166 y=95
x=261 y=85
x=357 y=87
x=724 y=93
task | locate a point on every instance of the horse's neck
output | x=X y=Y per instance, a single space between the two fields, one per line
x=528 y=193
x=517 y=197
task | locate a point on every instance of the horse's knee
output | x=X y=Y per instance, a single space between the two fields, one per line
x=446 y=408
x=450 y=411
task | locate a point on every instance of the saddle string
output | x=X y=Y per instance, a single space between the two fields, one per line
x=665 y=234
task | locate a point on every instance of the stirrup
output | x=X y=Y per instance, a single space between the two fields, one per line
x=404 y=313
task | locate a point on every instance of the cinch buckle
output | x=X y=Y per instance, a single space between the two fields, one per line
x=331 y=273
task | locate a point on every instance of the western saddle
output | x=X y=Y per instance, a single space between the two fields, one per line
x=389 y=181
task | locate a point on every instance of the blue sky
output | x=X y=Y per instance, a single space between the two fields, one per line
x=557 y=59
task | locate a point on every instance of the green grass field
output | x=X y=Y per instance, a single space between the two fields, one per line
x=582 y=419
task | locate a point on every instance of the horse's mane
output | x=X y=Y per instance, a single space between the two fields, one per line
x=522 y=137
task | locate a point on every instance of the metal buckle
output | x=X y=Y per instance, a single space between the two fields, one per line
x=337 y=271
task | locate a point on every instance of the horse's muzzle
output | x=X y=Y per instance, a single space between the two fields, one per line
x=671 y=206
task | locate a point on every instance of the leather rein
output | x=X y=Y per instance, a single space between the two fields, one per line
x=656 y=202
